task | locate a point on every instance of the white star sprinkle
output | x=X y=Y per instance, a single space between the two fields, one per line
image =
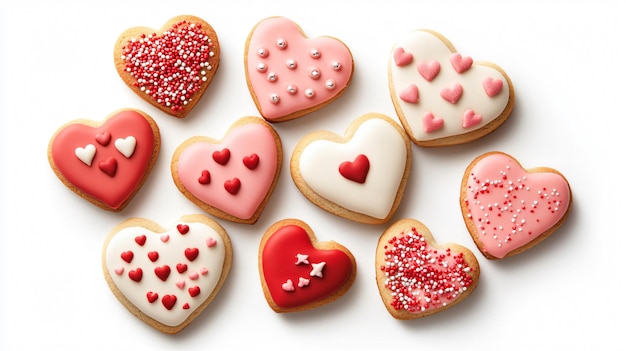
x=317 y=269
x=302 y=259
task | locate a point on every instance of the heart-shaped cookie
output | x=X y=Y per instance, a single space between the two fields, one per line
x=106 y=163
x=233 y=178
x=443 y=97
x=167 y=277
x=360 y=176
x=172 y=67
x=508 y=209
x=290 y=75
x=298 y=272
x=416 y=276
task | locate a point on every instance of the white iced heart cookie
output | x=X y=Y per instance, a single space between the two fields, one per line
x=442 y=97
x=167 y=277
x=360 y=176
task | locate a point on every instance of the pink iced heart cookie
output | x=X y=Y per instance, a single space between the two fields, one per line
x=508 y=209
x=106 y=163
x=290 y=75
x=360 y=176
x=300 y=273
x=185 y=52
x=467 y=99
x=417 y=277
x=167 y=283
x=233 y=178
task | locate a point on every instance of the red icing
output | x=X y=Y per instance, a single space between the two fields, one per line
x=136 y=274
x=278 y=257
x=251 y=162
x=152 y=296
x=232 y=186
x=221 y=157
x=169 y=301
x=163 y=272
x=183 y=228
x=191 y=253
x=194 y=291
x=140 y=240
x=127 y=256
x=186 y=306
x=402 y=58
x=356 y=171
x=129 y=173
x=153 y=256
x=108 y=166
x=460 y=63
x=103 y=138
x=205 y=178
x=181 y=268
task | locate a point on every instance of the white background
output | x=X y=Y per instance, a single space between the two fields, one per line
x=566 y=60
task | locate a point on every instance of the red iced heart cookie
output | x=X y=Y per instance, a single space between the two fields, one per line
x=170 y=68
x=167 y=283
x=106 y=163
x=508 y=209
x=290 y=75
x=298 y=272
x=416 y=276
x=233 y=178
x=360 y=176
x=459 y=100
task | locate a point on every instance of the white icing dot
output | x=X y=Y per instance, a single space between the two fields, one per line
x=314 y=73
x=261 y=67
x=281 y=44
x=274 y=98
x=291 y=64
x=336 y=65
x=315 y=53
x=330 y=84
x=263 y=52
x=292 y=89
x=272 y=77
x=309 y=93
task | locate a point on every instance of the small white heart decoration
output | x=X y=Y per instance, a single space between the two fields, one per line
x=86 y=154
x=126 y=146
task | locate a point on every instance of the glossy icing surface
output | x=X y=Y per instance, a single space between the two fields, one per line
x=289 y=72
x=510 y=207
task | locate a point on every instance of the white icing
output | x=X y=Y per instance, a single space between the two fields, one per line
x=386 y=150
x=126 y=146
x=426 y=48
x=171 y=252
x=86 y=154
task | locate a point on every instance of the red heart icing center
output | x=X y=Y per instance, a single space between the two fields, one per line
x=288 y=254
x=355 y=171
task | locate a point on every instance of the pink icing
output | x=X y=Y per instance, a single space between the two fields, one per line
x=241 y=141
x=509 y=207
x=431 y=123
x=410 y=94
x=289 y=72
x=402 y=58
x=452 y=94
x=460 y=63
x=470 y=118
x=429 y=70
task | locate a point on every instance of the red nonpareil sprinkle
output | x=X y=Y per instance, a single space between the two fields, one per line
x=421 y=277
x=172 y=66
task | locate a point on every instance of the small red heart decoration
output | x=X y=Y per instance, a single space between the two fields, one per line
x=251 y=162
x=222 y=156
x=185 y=71
x=417 y=277
x=320 y=272
x=232 y=185
x=162 y=272
x=356 y=171
x=83 y=158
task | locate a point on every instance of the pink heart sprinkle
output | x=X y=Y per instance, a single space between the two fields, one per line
x=429 y=70
x=210 y=242
x=204 y=271
x=193 y=275
x=410 y=94
x=302 y=282
x=165 y=238
x=180 y=284
x=288 y=285
x=460 y=63
x=119 y=271
x=431 y=123
x=492 y=86
x=452 y=95
x=402 y=58
x=470 y=118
